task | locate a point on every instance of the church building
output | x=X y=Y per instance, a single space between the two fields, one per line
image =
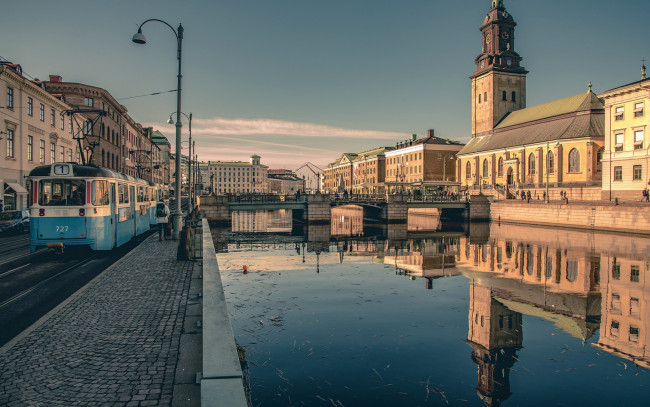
x=546 y=149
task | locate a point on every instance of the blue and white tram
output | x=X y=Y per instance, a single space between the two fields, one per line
x=74 y=204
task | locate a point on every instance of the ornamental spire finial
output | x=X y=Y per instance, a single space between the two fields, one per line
x=497 y=3
x=589 y=86
x=643 y=69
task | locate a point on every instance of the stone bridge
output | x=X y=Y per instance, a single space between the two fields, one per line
x=317 y=208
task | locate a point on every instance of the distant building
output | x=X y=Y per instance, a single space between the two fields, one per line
x=163 y=159
x=626 y=153
x=235 y=177
x=422 y=162
x=34 y=131
x=285 y=182
x=312 y=176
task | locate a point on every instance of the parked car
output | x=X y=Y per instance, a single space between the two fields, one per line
x=14 y=222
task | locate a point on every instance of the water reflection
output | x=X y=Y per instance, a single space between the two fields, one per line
x=576 y=281
x=278 y=221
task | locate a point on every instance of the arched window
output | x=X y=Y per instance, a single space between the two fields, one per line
x=479 y=98
x=574 y=160
x=485 y=96
x=550 y=162
x=500 y=167
x=531 y=164
x=468 y=170
x=514 y=94
x=103 y=160
x=571 y=271
x=485 y=168
x=549 y=267
x=504 y=95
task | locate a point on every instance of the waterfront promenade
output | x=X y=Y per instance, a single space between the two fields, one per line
x=128 y=338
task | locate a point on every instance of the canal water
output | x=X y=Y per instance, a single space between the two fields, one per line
x=429 y=314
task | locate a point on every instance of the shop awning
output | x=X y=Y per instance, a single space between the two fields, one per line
x=19 y=189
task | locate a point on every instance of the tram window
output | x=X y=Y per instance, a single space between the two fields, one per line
x=123 y=192
x=61 y=192
x=99 y=193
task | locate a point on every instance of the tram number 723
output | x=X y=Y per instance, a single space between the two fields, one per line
x=62 y=228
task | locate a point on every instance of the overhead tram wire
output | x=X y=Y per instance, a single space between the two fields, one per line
x=149 y=94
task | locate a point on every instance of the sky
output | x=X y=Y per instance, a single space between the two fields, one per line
x=298 y=81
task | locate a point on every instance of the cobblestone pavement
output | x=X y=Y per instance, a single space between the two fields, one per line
x=113 y=343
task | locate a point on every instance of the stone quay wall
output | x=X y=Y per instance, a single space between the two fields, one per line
x=318 y=209
x=603 y=216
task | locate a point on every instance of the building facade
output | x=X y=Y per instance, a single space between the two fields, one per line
x=112 y=139
x=626 y=155
x=369 y=171
x=285 y=182
x=337 y=176
x=34 y=131
x=419 y=162
x=236 y=177
x=546 y=149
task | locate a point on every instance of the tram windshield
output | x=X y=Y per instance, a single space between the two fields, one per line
x=61 y=192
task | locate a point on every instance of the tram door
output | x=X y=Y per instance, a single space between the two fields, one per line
x=133 y=214
x=113 y=227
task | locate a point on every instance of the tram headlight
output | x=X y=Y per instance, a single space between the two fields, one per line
x=41 y=212
x=82 y=212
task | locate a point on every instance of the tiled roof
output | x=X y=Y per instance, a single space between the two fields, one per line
x=547 y=122
x=577 y=126
x=576 y=103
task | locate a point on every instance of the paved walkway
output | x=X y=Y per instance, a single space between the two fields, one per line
x=116 y=342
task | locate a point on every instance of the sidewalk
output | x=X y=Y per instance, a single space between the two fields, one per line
x=128 y=338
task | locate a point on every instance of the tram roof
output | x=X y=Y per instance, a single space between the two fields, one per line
x=86 y=171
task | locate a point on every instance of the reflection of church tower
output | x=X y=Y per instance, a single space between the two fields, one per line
x=495 y=334
x=499 y=82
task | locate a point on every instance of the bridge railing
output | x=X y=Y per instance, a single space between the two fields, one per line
x=265 y=198
x=435 y=197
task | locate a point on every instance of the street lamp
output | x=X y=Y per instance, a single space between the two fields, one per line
x=139 y=38
x=189 y=164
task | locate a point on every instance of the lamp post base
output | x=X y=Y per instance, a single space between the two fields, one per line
x=177 y=224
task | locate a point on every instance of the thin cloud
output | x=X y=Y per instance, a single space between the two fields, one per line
x=238 y=127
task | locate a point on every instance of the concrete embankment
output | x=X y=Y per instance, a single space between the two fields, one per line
x=631 y=217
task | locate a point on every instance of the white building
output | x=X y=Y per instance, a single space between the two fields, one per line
x=236 y=177
x=34 y=131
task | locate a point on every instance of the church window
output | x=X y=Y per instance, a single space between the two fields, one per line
x=485 y=168
x=599 y=159
x=485 y=96
x=500 y=167
x=531 y=164
x=550 y=163
x=504 y=95
x=514 y=96
x=479 y=98
x=574 y=160
x=468 y=170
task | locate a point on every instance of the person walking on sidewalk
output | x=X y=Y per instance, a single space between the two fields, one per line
x=162 y=215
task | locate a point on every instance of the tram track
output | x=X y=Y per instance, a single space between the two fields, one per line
x=30 y=289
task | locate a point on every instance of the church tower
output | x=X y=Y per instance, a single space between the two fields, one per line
x=499 y=82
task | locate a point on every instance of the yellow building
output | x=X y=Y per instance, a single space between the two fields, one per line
x=627 y=154
x=556 y=146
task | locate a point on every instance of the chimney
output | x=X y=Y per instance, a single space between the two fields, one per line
x=431 y=133
x=414 y=137
x=56 y=78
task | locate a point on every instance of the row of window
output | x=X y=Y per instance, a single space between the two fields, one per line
x=404 y=158
x=504 y=96
x=30 y=110
x=633 y=335
x=574 y=164
x=637 y=173
x=41 y=157
x=619 y=111
x=619 y=140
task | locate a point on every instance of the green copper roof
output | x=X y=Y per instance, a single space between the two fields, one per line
x=576 y=103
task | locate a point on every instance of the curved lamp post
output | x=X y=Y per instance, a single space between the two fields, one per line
x=189 y=164
x=139 y=38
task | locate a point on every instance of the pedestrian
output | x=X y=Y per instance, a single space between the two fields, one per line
x=528 y=195
x=162 y=217
x=645 y=195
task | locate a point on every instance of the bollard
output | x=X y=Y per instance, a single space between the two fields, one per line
x=182 y=252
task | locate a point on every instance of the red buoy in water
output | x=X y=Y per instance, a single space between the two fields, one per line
x=245 y=269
